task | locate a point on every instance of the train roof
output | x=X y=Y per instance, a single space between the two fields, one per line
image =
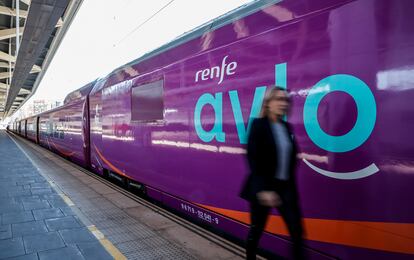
x=79 y=93
x=211 y=25
x=214 y=24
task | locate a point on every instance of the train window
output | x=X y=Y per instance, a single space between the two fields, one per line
x=43 y=128
x=147 y=102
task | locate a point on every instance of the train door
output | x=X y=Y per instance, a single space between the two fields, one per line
x=36 y=122
x=86 y=132
x=25 y=128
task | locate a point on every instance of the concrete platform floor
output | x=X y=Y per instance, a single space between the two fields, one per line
x=45 y=198
x=36 y=222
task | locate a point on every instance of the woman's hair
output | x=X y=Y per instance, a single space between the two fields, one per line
x=270 y=92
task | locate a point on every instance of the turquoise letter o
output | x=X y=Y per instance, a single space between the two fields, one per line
x=366 y=113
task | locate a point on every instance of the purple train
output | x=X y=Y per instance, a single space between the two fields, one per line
x=175 y=121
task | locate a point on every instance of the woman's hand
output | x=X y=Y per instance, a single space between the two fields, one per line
x=269 y=199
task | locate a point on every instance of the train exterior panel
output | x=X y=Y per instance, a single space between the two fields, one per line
x=31 y=128
x=95 y=122
x=20 y=126
x=177 y=120
x=24 y=128
x=62 y=130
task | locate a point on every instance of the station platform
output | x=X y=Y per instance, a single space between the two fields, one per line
x=53 y=209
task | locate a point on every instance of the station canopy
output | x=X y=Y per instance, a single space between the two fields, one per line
x=41 y=26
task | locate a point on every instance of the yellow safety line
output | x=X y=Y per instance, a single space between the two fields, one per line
x=116 y=254
x=106 y=243
x=67 y=200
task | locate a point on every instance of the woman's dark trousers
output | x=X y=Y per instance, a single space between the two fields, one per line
x=290 y=213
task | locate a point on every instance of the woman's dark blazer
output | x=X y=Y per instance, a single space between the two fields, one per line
x=262 y=158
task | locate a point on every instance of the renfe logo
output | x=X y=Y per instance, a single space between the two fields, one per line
x=355 y=87
x=217 y=71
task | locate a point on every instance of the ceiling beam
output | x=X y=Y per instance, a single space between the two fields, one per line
x=26 y=1
x=23 y=91
x=59 y=23
x=4 y=75
x=14 y=64
x=9 y=33
x=5 y=65
x=12 y=12
x=7 y=57
x=38 y=28
x=35 y=69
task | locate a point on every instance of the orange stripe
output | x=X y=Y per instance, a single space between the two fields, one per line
x=113 y=168
x=60 y=149
x=386 y=236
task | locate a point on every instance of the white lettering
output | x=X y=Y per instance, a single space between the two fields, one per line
x=230 y=69
x=223 y=66
x=198 y=72
x=204 y=74
x=217 y=71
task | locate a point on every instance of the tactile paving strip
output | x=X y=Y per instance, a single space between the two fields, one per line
x=120 y=238
x=104 y=220
x=166 y=251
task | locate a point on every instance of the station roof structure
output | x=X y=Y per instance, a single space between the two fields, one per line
x=42 y=25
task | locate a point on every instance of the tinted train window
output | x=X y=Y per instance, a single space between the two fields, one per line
x=147 y=102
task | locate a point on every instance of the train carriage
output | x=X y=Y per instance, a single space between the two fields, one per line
x=65 y=129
